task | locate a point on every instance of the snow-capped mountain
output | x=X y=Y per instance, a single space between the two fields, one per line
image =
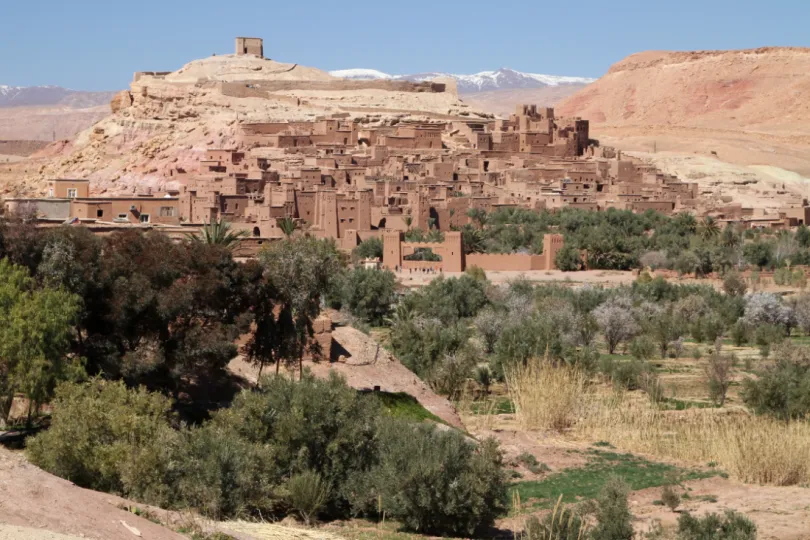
x=484 y=81
x=27 y=96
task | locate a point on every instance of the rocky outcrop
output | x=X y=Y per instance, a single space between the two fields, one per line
x=121 y=101
x=166 y=121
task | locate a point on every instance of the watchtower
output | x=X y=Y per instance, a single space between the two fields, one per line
x=250 y=45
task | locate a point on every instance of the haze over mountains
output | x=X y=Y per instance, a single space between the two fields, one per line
x=29 y=96
x=46 y=113
x=484 y=81
x=496 y=92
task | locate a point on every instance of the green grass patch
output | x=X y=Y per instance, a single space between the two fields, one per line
x=402 y=405
x=501 y=405
x=580 y=483
x=683 y=404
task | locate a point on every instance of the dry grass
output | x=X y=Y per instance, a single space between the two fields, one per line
x=545 y=397
x=752 y=449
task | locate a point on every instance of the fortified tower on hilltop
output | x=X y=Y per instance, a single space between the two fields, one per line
x=250 y=45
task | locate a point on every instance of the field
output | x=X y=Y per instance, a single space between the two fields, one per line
x=716 y=458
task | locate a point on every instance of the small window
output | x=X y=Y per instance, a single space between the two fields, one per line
x=122 y=216
x=72 y=193
x=99 y=213
x=144 y=218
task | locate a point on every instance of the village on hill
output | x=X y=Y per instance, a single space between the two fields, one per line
x=261 y=301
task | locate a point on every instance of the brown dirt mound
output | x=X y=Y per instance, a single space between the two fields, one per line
x=34 y=499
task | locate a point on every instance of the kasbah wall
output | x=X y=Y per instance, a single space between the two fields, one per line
x=453 y=259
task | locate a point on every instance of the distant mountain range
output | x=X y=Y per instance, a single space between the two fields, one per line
x=38 y=96
x=485 y=81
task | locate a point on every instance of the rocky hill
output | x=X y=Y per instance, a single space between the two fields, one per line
x=167 y=120
x=750 y=107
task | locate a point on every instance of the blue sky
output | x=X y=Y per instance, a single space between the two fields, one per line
x=97 y=45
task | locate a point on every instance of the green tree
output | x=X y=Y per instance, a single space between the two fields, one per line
x=759 y=253
x=369 y=294
x=299 y=271
x=368 y=249
x=36 y=327
x=803 y=235
x=568 y=258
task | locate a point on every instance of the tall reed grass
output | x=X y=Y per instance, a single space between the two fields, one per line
x=752 y=449
x=545 y=396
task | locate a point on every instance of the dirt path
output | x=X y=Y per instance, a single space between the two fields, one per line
x=243 y=530
x=44 y=504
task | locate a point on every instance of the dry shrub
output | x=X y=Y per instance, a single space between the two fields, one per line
x=545 y=396
x=754 y=449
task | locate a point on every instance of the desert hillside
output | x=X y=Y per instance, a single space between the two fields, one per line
x=750 y=107
x=166 y=121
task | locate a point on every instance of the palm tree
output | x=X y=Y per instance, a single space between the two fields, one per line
x=730 y=237
x=408 y=221
x=287 y=226
x=478 y=215
x=708 y=228
x=218 y=233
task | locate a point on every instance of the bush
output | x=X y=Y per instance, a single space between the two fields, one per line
x=732 y=526
x=718 y=374
x=783 y=390
x=670 y=497
x=316 y=425
x=216 y=472
x=530 y=462
x=613 y=513
x=628 y=375
x=313 y=446
x=734 y=284
x=642 y=348
x=422 y=344
x=739 y=334
x=97 y=431
x=483 y=376
x=307 y=493
x=563 y=525
x=434 y=482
